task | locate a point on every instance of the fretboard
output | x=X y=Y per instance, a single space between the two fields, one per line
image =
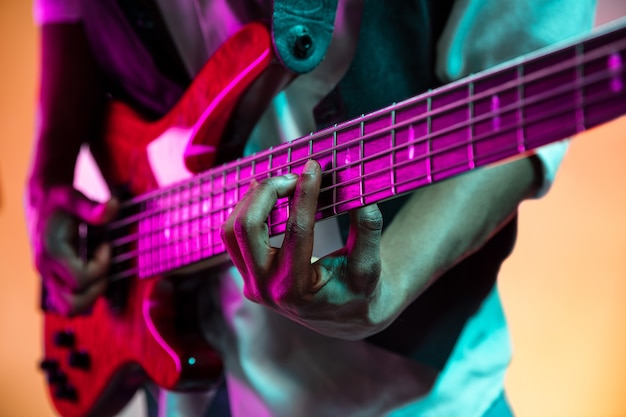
x=480 y=120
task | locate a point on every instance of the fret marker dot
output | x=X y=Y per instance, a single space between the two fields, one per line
x=495 y=107
x=411 y=139
x=347 y=159
x=616 y=64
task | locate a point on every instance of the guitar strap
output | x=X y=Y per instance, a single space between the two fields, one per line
x=301 y=31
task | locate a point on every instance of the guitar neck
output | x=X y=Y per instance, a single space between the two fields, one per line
x=486 y=118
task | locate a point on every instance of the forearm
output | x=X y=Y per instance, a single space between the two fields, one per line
x=442 y=224
x=69 y=102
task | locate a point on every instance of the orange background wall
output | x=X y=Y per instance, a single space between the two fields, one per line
x=564 y=289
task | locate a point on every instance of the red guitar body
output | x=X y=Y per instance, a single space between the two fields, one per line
x=95 y=362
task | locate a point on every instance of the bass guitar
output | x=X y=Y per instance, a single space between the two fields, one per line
x=142 y=330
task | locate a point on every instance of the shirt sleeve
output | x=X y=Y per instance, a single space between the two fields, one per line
x=56 y=11
x=483 y=33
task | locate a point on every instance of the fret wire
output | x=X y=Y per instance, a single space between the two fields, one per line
x=598 y=52
x=580 y=80
x=162 y=241
x=192 y=220
x=154 y=238
x=168 y=230
x=289 y=167
x=429 y=144
x=334 y=169
x=187 y=226
x=460 y=164
x=198 y=218
x=208 y=201
x=289 y=156
x=361 y=165
x=238 y=183
x=223 y=197
x=392 y=154
x=141 y=244
x=171 y=229
x=521 y=137
x=180 y=227
x=168 y=237
x=446 y=149
x=470 y=127
x=269 y=169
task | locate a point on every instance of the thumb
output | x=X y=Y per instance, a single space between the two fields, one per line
x=363 y=247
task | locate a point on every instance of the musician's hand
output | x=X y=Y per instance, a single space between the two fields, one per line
x=341 y=294
x=72 y=284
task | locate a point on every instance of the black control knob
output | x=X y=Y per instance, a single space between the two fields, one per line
x=79 y=359
x=48 y=365
x=66 y=392
x=56 y=377
x=64 y=338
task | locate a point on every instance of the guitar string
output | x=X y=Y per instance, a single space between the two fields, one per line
x=389 y=152
x=132 y=271
x=431 y=136
x=599 y=52
x=613 y=74
x=215 y=174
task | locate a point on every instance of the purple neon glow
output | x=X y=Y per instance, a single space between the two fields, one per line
x=444 y=132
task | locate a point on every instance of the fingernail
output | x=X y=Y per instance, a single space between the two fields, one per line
x=290 y=177
x=310 y=167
